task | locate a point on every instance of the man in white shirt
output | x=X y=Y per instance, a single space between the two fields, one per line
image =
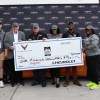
x=13 y=36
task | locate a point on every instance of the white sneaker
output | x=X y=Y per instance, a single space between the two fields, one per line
x=1 y=84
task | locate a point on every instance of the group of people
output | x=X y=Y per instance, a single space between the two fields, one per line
x=90 y=47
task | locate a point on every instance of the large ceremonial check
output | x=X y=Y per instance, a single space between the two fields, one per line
x=50 y=53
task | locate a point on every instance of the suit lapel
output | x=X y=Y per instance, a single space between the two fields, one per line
x=12 y=36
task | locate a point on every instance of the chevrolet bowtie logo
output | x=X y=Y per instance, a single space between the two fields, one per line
x=24 y=47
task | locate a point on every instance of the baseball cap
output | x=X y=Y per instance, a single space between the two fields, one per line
x=70 y=23
x=89 y=27
x=35 y=25
x=15 y=24
x=54 y=27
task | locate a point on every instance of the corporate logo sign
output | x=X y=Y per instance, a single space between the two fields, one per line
x=23 y=2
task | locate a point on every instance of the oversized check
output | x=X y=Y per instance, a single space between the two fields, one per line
x=51 y=53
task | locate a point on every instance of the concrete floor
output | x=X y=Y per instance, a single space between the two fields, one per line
x=28 y=92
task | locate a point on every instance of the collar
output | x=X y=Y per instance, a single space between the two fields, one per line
x=15 y=33
x=70 y=31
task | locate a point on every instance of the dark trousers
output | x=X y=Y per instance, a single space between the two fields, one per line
x=93 y=68
x=74 y=72
x=15 y=76
x=40 y=75
x=6 y=73
x=55 y=72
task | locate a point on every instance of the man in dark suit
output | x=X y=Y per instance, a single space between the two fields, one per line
x=69 y=34
x=13 y=36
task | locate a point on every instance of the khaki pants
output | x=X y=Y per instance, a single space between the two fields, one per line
x=2 y=56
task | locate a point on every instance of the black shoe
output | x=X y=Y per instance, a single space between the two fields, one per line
x=53 y=83
x=57 y=85
x=13 y=84
x=21 y=83
x=35 y=83
x=43 y=84
x=76 y=82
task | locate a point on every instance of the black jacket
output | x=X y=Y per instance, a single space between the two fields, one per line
x=67 y=33
x=38 y=36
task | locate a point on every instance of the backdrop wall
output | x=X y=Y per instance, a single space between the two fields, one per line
x=46 y=15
